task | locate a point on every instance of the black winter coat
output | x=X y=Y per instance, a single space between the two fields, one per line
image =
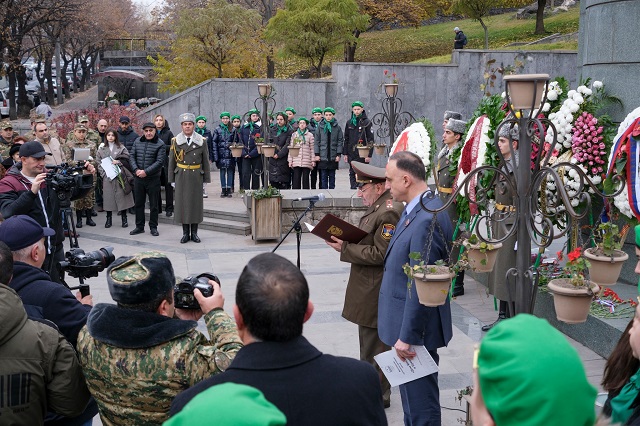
x=148 y=155
x=127 y=138
x=206 y=134
x=45 y=299
x=221 y=141
x=279 y=170
x=165 y=135
x=247 y=136
x=354 y=134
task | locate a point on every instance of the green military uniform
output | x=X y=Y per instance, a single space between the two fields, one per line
x=87 y=202
x=5 y=145
x=136 y=361
x=367 y=267
x=92 y=135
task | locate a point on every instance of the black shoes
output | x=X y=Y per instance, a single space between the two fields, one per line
x=125 y=222
x=154 y=232
x=169 y=213
x=194 y=233
x=458 y=291
x=108 y=223
x=137 y=231
x=78 y=218
x=186 y=236
x=88 y=214
x=488 y=327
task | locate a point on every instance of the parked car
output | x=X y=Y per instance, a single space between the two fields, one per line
x=4 y=103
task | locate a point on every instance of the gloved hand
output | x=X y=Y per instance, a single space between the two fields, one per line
x=173 y=184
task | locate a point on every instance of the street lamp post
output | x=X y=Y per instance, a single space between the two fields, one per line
x=391 y=121
x=535 y=213
x=266 y=96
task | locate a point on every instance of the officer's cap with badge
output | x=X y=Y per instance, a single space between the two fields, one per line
x=140 y=278
x=187 y=117
x=366 y=173
x=456 y=126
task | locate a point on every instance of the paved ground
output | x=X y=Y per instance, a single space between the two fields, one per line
x=226 y=255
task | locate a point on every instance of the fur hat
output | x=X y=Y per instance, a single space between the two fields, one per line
x=448 y=115
x=506 y=130
x=456 y=126
x=187 y=117
x=140 y=278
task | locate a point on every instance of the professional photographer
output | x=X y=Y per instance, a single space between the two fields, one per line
x=24 y=191
x=137 y=356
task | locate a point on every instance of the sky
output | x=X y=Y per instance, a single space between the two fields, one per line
x=147 y=4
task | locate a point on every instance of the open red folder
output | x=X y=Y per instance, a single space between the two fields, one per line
x=332 y=225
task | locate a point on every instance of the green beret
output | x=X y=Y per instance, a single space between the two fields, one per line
x=290 y=109
x=530 y=375
x=253 y=111
x=329 y=109
x=357 y=103
x=201 y=117
x=233 y=117
x=140 y=278
x=316 y=109
x=305 y=119
x=225 y=114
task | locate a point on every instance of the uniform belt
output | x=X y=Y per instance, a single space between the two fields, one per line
x=189 y=167
x=445 y=190
x=504 y=208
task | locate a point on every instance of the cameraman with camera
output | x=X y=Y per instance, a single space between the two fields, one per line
x=24 y=191
x=139 y=354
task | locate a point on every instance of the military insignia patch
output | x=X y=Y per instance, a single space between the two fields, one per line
x=387 y=231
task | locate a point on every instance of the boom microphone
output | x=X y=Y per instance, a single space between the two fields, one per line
x=319 y=197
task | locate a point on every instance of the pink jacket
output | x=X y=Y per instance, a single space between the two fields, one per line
x=306 y=156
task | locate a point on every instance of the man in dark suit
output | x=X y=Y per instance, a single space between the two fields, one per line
x=310 y=388
x=402 y=321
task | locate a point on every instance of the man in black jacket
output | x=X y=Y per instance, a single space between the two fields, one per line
x=147 y=158
x=309 y=387
x=126 y=135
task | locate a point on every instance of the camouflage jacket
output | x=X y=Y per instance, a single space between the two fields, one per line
x=72 y=143
x=136 y=362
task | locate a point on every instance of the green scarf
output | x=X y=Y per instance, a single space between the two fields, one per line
x=201 y=131
x=621 y=405
x=301 y=134
x=328 y=125
x=354 y=119
x=282 y=129
x=225 y=130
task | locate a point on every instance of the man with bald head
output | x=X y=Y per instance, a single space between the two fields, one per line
x=102 y=129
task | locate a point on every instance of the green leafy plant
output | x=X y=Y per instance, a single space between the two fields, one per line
x=268 y=192
x=439 y=267
x=576 y=267
x=611 y=239
x=474 y=243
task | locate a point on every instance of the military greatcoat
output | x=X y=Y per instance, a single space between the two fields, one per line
x=367 y=259
x=88 y=201
x=189 y=169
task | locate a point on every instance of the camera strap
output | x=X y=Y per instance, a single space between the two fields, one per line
x=44 y=210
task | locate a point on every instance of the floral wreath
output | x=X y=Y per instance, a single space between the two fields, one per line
x=473 y=155
x=416 y=139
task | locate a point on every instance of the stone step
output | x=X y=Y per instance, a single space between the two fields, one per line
x=216 y=220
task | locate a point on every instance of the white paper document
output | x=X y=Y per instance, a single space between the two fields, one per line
x=109 y=168
x=399 y=372
x=309 y=226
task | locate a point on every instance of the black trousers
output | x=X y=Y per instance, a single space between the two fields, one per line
x=143 y=187
x=301 y=178
x=314 y=177
x=251 y=172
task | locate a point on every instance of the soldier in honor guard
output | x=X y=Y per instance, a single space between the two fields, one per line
x=78 y=139
x=189 y=169
x=367 y=263
x=452 y=137
x=448 y=115
x=506 y=209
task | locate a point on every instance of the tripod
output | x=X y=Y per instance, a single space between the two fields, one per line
x=67 y=223
x=298 y=229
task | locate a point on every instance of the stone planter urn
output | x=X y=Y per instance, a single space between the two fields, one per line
x=433 y=287
x=236 y=150
x=481 y=259
x=268 y=150
x=363 y=151
x=380 y=148
x=572 y=303
x=294 y=151
x=605 y=270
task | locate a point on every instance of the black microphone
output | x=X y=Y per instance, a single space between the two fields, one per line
x=319 y=197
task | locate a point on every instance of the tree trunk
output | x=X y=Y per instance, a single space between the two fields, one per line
x=48 y=76
x=271 y=65
x=350 y=48
x=486 y=33
x=540 y=17
x=23 y=101
x=13 y=113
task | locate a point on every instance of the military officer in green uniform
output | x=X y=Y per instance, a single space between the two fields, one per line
x=139 y=354
x=6 y=138
x=188 y=169
x=78 y=139
x=446 y=176
x=367 y=260
x=92 y=135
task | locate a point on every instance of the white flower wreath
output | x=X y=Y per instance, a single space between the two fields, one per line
x=414 y=138
x=621 y=201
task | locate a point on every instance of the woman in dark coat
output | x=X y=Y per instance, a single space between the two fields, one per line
x=328 y=144
x=165 y=135
x=223 y=136
x=201 y=129
x=279 y=171
x=117 y=195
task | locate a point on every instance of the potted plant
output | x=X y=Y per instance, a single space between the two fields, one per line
x=606 y=258
x=572 y=295
x=480 y=254
x=391 y=88
x=236 y=149
x=380 y=148
x=294 y=148
x=432 y=281
x=266 y=213
x=363 y=149
x=259 y=142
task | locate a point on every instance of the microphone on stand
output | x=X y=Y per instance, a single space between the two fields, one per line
x=319 y=197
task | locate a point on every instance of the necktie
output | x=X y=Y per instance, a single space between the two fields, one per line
x=403 y=217
x=188 y=141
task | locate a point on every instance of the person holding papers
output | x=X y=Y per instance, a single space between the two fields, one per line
x=366 y=258
x=402 y=321
x=116 y=183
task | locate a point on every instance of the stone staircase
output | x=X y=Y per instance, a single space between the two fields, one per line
x=237 y=223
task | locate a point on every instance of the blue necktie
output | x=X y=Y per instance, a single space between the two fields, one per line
x=403 y=217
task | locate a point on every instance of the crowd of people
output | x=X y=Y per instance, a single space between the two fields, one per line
x=163 y=370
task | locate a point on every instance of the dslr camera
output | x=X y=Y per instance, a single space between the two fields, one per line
x=183 y=297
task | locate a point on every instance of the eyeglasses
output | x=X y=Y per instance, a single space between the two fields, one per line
x=362 y=187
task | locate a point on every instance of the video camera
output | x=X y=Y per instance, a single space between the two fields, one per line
x=84 y=265
x=66 y=178
x=183 y=297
